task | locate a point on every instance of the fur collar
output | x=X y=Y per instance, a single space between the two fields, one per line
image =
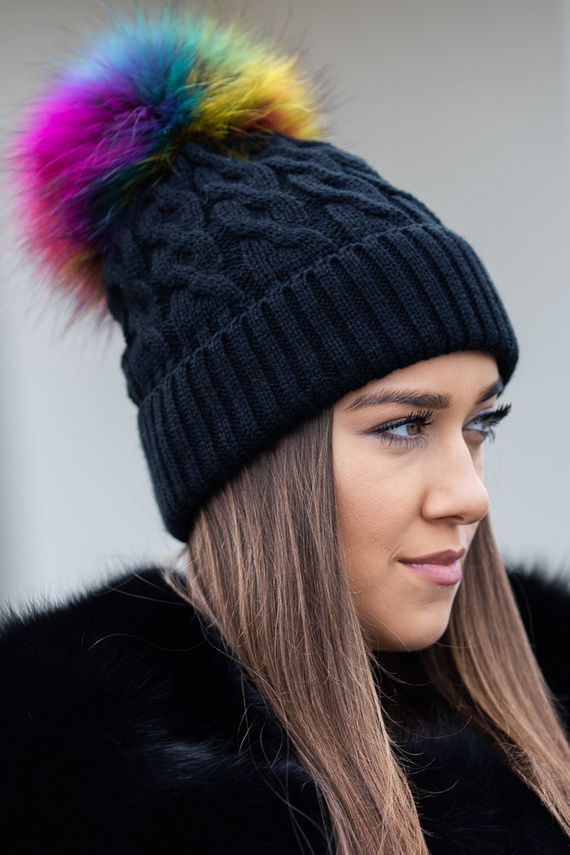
x=124 y=731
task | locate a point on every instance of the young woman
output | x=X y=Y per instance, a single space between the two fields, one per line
x=345 y=666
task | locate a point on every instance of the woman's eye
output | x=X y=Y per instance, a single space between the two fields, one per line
x=485 y=423
x=482 y=423
x=408 y=430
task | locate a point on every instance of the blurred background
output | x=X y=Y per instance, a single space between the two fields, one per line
x=467 y=105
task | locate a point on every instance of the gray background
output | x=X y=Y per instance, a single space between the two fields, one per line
x=463 y=102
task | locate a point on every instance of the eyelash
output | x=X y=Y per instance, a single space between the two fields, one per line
x=493 y=417
x=423 y=418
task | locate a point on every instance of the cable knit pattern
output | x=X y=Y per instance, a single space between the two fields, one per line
x=254 y=293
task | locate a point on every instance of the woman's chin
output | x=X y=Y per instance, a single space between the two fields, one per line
x=419 y=637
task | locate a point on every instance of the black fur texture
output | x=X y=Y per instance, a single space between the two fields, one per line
x=126 y=728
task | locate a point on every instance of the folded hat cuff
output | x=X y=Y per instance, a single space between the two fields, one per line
x=385 y=302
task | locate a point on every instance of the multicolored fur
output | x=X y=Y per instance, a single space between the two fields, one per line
x=118 y=115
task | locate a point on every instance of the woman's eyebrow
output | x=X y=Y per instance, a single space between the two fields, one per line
x=494 y=389
x=435 y=400
x=431 y=400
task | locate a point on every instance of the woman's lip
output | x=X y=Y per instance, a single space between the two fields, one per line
x=447 y=556
x=441 y=574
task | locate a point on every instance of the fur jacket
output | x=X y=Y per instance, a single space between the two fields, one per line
x=126 y=728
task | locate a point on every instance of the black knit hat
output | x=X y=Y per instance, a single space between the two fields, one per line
x=256 y=287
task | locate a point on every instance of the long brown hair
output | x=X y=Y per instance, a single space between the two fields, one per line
x=264 y=567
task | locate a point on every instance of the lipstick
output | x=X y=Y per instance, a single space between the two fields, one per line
x=443 y=568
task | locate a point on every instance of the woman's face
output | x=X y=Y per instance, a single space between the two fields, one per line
x=408 y=469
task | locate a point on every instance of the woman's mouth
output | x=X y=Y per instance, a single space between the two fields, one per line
x=443 y=568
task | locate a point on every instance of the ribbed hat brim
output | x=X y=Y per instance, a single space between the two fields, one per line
x=386 y=302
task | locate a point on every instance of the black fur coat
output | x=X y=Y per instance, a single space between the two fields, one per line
x=124 y=731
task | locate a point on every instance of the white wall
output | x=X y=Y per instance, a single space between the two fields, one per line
x=465 y=104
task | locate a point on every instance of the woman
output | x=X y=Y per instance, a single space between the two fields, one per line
x=317 y=361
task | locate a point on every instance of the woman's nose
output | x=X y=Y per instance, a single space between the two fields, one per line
x=455 y=489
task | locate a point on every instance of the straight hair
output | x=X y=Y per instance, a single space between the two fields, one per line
x=264 y=567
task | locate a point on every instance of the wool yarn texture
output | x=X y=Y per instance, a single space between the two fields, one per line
x=173 y=175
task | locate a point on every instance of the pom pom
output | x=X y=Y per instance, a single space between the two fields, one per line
x=117 y=116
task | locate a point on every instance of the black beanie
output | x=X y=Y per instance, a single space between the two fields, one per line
x=258 y=285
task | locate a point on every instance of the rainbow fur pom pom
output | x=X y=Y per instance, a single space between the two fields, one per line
x=117 y=116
